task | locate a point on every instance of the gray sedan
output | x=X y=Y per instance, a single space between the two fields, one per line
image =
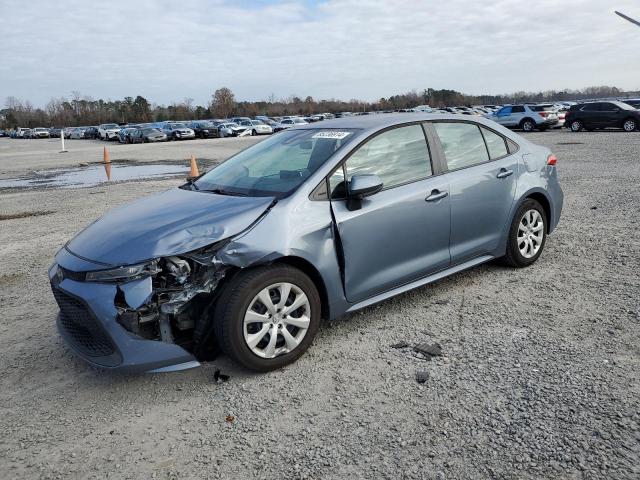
x=310 y=224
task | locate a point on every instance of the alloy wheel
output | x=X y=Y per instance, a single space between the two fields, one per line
x=629 y=125
x=277 y=320
x=528 y=126
x=530 y=233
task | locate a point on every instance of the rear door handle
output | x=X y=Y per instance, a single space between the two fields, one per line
x=504 y=173
x=436 y=195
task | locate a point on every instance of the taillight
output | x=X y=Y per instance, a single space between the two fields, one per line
x=543 y=114
x=552 y=160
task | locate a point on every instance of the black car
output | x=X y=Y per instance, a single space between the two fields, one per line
x=599 y=115
x=91 y=133
x=634 y=102
x=204 y=129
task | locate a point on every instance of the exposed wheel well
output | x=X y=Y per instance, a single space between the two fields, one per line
x=314 y=275
x=542 y=200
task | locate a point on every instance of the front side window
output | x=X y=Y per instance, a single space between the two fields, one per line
x=397 y=156
x=495 y=144
x=504 y=111
x=462 y=143
x=276 y=166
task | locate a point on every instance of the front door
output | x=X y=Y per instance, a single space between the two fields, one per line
x=401 y=233
x=482 y=178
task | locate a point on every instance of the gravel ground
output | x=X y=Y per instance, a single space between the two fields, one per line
x=539 y=376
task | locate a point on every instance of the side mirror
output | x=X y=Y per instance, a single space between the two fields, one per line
x=362 y=186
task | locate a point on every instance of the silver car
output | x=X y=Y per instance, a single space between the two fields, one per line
x=525 y=117
x=309 y=224
x=178 y=131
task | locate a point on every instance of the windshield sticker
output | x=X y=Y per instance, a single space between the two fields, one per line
x=334 y=134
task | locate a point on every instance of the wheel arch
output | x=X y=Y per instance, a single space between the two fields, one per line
x=312 y=272
x=630 y=117
x=527 y=118
x=542 y=199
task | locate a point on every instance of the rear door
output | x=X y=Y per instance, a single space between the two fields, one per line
x=517 y=115
x=401 y=233
x=481 y=174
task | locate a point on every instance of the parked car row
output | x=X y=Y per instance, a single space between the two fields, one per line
x=576 y=116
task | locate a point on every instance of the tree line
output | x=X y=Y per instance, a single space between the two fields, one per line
x=82 y=110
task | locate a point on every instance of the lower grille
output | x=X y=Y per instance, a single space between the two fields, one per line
x=83 y=331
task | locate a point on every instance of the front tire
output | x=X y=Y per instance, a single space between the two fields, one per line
x=267 y=317
x=527 y=234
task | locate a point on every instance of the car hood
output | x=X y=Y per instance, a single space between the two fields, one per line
x=168 y=223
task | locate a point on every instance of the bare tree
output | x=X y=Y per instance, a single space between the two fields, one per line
x=223 y=102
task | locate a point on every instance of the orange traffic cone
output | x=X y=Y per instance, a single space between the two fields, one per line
x=107 y=170
x=193 y=173
x=105 y=156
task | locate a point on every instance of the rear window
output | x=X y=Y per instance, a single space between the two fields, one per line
x=462 y=143
x=495 y=144
x=542 y=108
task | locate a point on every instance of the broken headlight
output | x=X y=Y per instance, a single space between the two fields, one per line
x=124 y=274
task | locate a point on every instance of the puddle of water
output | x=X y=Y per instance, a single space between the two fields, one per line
x=93 y=175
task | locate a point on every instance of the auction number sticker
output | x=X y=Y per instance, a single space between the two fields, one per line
x=333 y=134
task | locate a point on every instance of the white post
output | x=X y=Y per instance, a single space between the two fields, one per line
x=62 y=140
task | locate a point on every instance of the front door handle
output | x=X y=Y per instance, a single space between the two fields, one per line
x=504 y=173
x=436 y=195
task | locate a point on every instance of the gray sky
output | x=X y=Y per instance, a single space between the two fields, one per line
x=169 y=50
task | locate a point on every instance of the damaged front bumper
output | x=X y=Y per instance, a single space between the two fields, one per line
x=142 y=325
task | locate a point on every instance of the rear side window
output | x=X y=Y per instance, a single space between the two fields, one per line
x=495 y=144
x=462 y=143
x=517 y=109
x=396 y=156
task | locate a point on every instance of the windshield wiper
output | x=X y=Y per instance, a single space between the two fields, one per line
x=220 y=191
x=191 y=182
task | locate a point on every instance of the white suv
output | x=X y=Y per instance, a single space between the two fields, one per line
x=108 y=131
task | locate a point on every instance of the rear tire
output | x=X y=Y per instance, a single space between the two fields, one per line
x=576 y=126
x=527 y=235
x=528 y=125
x=630 y=125
x=239 y=300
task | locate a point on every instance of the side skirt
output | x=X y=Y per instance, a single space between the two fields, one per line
x=419 y=283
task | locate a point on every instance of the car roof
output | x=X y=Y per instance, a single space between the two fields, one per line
x=384 y=120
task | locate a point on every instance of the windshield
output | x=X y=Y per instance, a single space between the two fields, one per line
x=177 y=125
x=276 y=166
x=110 y=125
x=150 y=130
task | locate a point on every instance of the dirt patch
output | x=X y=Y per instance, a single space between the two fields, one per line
x=9 y=279
x=13 y=216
